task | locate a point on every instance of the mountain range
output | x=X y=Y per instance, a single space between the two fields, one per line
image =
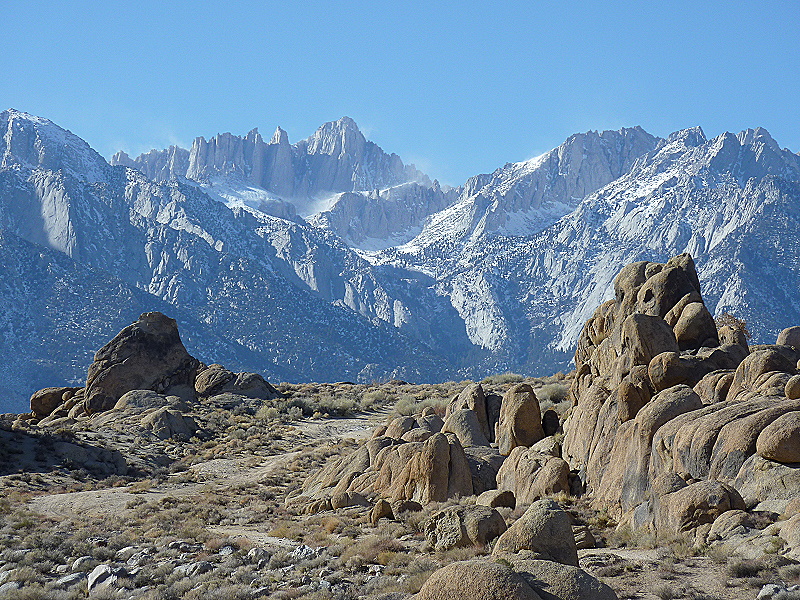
x=329 y=259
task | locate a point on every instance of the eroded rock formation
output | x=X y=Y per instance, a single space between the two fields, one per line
x=669 y=415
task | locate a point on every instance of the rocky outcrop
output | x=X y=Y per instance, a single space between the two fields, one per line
x=457 y=526
x=544 y=530
x=147 y=355
x=145 y=379
x=384 y=467
x=216 y=379
x=669 y=413
x=520 y=422
x=45 y=401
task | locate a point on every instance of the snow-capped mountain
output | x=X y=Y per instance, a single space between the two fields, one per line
x=292 y=297
x=329 y=259
x=356 y=189
x=733 y=202
x=521 y=198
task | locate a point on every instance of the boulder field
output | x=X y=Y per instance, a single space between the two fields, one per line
x=144 y=379
x=675 y=426
x=674 y=423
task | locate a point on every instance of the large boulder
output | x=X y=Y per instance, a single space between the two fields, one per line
x=643 y=337
x=473 y=398
x=544 y=529
x=780 y=440
x=525 y=579
x=476 y=580
x=695 y=505
x=470 y=525
x=45 y=401
x=520 y=422
x=556 y=581
x=464 y=423
x=531 y=475
x=216 y=379
x=147 y=355
x=497 y=498
x=167 y=423
x=695 y=327
x=789 y=337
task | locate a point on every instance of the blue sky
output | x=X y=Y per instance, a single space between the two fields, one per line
x=458 y=88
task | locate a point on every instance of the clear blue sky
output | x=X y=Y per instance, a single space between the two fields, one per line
x=456 y=87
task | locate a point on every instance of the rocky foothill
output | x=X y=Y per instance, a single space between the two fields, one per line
x=667 y=465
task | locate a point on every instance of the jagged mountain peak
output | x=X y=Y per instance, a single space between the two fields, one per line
x=337 y=138
x=749 y=137
x=279 y=137
x=35 y=142
x=689 y=137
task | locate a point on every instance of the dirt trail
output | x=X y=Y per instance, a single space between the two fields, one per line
x=230 y=472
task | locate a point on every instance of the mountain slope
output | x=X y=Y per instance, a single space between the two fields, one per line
x=500 y=274
x=316 y=175
x=281 y=290
x=732 y=202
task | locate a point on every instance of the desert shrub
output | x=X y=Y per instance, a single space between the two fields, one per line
x=336 y=405
x=371 y=547
x=665 y=592
x=371 y=397
x=554 y=393
x=267 y=413
x=742 y=569
x=790 y=573
x=409 y=405
x=735 y=322
x=502 y=378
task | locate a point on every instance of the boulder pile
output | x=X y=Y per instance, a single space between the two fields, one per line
x=484 y=442
x=673 y=421
x=144 y=377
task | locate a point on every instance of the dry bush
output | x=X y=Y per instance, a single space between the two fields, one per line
x=735 y=322
x=666 y=592
x=554 y=393
x=370 y=547
x=503 y=378
x=409 y=405
x=741 y=569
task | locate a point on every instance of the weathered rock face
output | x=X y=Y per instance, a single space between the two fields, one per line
x=668 y=412
x=456 y=526
x=429 y=471
x=544 y=529
x=148 y=354
x=531 y=475
x=520 y=422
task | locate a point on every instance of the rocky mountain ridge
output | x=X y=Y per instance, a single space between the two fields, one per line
x=501 y=278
